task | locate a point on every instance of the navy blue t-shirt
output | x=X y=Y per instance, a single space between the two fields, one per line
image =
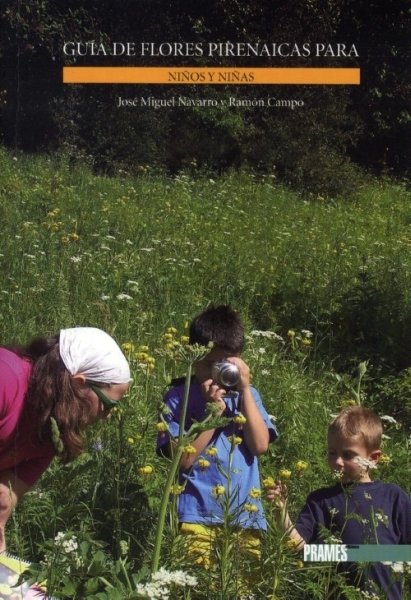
x=360 y=513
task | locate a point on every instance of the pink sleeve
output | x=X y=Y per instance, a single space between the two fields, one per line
x=11 y=401
x=29 y=471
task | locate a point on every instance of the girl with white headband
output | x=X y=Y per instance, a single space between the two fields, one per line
x=50 y=391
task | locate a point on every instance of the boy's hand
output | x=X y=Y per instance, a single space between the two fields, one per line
x=277 y=494
x=214 y=394
x=244 y=372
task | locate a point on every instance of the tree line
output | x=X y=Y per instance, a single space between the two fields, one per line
x=320 y=147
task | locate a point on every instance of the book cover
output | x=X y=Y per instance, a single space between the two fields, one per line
x=161 y=156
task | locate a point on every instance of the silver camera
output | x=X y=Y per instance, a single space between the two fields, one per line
x=225 y=374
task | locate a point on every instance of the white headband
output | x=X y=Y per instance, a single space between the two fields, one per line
x=93 y=353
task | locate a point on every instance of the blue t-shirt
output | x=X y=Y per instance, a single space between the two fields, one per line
x=233 y=466
x=360 y=513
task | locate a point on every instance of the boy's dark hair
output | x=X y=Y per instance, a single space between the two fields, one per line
x=221 y=325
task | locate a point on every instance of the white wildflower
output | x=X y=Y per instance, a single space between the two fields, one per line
x=380 y=517
x=388 y=419
x=365 y=463
x=159 y=586
x=67 y=545
x=369 y=595
x=75 y=259
x=123 y=296
x=270 y=335
x=104 y=297
x=307 y=333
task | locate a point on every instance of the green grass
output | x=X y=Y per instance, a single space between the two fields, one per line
x=136 y=256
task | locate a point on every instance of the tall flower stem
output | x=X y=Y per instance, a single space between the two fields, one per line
x=171 y=476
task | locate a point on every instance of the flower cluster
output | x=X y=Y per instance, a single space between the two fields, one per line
x=301 y=338
x=240 y=419
x=218 y=490
x=364 y=464
x=146 y=470
x=301 y=466
x=284 y=474
x=268 y=482
x=66 y=544
x=162 y=581
x=235 y=440
x=384 y=459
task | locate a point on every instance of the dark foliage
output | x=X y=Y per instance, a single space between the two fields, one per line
x=312 y=148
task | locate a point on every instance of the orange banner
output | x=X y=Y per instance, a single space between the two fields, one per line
x=213 y=75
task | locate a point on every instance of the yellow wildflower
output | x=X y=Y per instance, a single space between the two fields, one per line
x=171 y=330
x=384 y=459
x=146 y=470
x=268 y=482
x=291 y=544
x=284 y=474
x=240 y=419
x=161 y=426
x=301 y=465
x=128 y=347
x=176 y=489
x=212 y=451
x=235 y=440
x=130 y=440
x=189 y=449
x=184 y=339
x=218 y=490
x=348 y=402
x=203 y=463
x=306 y=342
x=254 y=493
x=251 y=508
x=143 y=348
x=291 y=333
x=168 y=337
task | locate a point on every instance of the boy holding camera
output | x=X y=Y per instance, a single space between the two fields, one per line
x=219 y=472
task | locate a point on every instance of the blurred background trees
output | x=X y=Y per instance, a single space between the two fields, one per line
x=317 y=148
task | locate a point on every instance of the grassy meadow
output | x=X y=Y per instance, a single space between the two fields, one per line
x=323 y=285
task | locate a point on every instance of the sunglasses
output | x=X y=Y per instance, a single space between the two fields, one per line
x=107 y=402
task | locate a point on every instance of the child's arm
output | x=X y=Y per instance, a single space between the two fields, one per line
x=214 y=395
x=277 y=494
x=256 y=434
